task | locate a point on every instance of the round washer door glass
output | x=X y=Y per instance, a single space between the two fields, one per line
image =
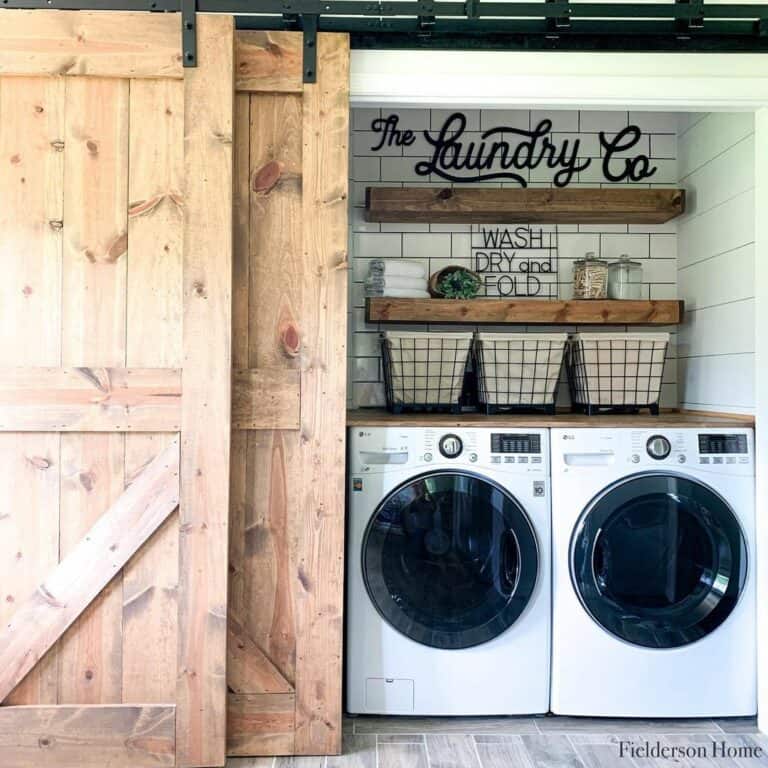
x=659 y=560
x=450 y=559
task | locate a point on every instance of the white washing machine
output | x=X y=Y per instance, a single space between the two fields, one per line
x=653 y=572
x=448 y=580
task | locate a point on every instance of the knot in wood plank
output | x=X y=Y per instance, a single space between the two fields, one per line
x=48 y=597
x=39 y=462
x=99 y=377
x=266 y=178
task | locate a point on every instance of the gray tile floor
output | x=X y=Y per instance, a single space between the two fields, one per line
x=539 y=742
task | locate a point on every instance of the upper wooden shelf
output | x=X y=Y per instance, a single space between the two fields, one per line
x=524 y=311
x=523 y=206
x=377 y=417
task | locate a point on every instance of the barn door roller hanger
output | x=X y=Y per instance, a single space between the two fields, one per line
x=679 y=27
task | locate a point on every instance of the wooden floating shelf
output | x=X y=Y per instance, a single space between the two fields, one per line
x=524 y=312
x=524 y=206
x=377 y=417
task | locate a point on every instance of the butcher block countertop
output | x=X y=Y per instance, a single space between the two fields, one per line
x=378 y=417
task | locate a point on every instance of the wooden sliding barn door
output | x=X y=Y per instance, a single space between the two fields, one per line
x=115 y=332
x=288 y=454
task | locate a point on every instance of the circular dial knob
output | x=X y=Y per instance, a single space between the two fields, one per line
x=450 y=446
x=658 y=447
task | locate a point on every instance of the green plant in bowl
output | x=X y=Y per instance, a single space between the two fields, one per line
x=459 y=284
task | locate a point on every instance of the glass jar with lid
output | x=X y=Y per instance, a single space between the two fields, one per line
x=625 y=278
x=590 y=277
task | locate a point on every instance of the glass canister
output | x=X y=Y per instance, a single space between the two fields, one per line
x=625 y=278
x=590 y=277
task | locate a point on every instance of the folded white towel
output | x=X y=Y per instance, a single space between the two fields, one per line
x=398 y=268
x=397 y=293
x=377 y=280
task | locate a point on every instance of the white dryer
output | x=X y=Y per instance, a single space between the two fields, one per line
x=448 y=580
x=653 y=572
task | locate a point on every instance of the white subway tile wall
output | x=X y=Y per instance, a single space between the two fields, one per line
x=716 y=265
x=438 y=245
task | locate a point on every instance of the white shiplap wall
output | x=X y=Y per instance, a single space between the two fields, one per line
x=716 y=262
x=438 y=245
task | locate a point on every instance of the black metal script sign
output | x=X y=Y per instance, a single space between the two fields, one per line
x=502 y=152
x=517 y=261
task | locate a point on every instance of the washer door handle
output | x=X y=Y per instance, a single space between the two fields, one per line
x=510 y=560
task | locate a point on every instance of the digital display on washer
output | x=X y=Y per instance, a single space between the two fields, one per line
x=501 y=443
x=722 y=444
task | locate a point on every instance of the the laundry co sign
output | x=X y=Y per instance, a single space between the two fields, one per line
x=502 y=152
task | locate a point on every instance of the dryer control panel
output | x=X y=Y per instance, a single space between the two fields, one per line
x=714 y=449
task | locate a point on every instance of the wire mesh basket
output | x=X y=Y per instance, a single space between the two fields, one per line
x=518 y=372
x=616 y=373
x=424 y=371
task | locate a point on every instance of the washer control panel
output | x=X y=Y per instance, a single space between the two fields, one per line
x=515 y=448
x=723 y=448
x=393 y=449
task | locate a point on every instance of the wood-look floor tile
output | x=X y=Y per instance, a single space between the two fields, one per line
x=567 y=725
x=394 y=755
x=737 y=724
x=465 y=725
x=356 y=752
x=302 y=761
x=400 y=738
x=602 y=756
x=593 y=738
x=502 y=752
x=451 y=751
x=551 y=751
x=250 y=762
x=348 y=724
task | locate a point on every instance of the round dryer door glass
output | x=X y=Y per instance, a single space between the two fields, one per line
x=659 y=560
x=450 y=560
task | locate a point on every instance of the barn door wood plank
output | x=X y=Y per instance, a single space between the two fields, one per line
x=207 y=361
x=153 y=338
x=265 y=398
x=121 y=736
x=90 y=399
x=31 y=209
x=240 y=290
x=260 y=723
x=269 y=61
x=266 y=473
x=263 y=596
x=88 y=568
x=241 y=229
x=90 y=657
x=93 y=335
x=36 y=42
x=274 y=337
x=319 y=601
x=29 y=539
x=95 y=222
